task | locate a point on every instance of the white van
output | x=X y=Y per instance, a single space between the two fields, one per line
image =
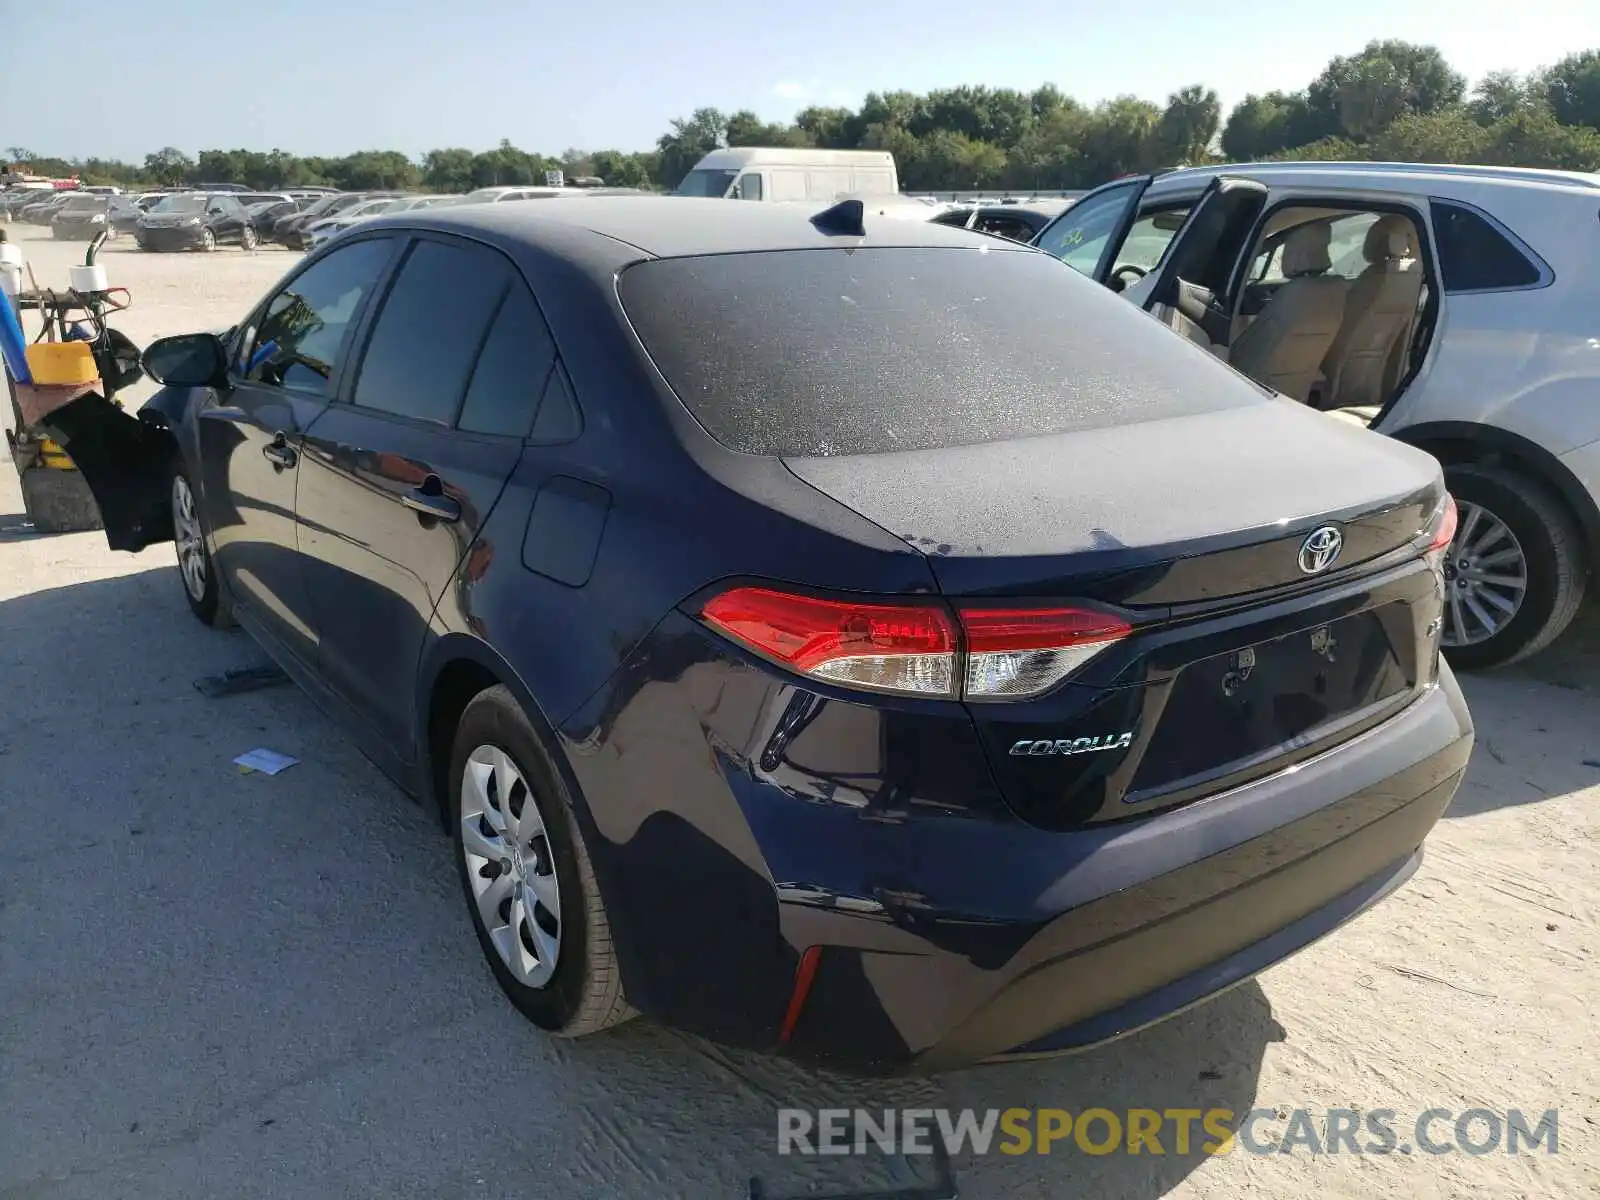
x=778 y=175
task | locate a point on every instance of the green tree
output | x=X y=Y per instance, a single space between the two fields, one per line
x=506 y=165
x=447 y=170
x=1050 y=153
x=830 y=128
x=1119 y=138
x=1500 y=94
x=1572 y=89
x=621 y=169
x=1189 y=123
x=1451 y=135
x=169 y=166
x=744 y=128
x=688 y=141
x=1357 y=95
x=1535 y=138
x=1328 y=149
x=1260 y=126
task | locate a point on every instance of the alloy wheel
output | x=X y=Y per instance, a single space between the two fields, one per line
x=1486 y=578
x=510 y=866
x=186 y=533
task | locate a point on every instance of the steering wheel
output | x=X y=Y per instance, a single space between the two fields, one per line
x=1137 y=273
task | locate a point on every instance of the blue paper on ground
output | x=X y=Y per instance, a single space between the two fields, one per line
x=268 y=762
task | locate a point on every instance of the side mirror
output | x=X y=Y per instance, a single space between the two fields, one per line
x=189 y=360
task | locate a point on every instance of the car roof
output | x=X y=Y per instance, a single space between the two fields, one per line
x=1380 y=175
x=680 y=226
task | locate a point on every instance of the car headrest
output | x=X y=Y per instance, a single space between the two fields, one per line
x=1305 y=250
x=1388 y=239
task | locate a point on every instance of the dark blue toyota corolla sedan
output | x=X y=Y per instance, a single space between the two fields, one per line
x=873 y=641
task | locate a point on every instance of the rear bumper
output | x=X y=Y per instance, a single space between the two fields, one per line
x=1344 y=831
x=947 y=932
x=1239 y=967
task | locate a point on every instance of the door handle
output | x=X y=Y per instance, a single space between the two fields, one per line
x=278 y=452
x=430 y=501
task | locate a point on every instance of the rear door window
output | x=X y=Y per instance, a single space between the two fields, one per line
x=825 y=352
x=433 y=322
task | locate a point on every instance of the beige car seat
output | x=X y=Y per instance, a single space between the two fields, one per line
x=1284 y=346
x=1368 y=357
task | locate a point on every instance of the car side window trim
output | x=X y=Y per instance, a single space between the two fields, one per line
x=249 y=329
x=1547 y=274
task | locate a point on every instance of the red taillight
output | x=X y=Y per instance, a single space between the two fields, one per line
x=913 y=648
x=909 y=648
x=1018 y=652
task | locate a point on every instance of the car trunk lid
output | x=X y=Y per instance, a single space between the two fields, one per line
x=1246 y=651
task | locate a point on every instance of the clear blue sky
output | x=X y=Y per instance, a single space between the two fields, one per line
x=335 y=76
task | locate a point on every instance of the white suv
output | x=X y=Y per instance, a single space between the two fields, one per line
x=1454 y=308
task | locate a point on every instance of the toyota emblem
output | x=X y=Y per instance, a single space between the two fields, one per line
x=1319 y=550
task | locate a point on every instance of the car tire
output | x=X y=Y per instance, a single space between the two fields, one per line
x=247 y=238
x=1553 y=566
x=581 y=993
x=208 y=240
x=196 y=572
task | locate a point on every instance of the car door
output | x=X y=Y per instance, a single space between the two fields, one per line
x=1190 y=287
x=287 y=359
x=399 y=476
x=217 y=219
x=1088 y=235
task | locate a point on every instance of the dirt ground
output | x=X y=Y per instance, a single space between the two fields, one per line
x=215 y=984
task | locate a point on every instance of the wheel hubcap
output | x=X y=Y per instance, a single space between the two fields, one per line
x=1485 y=577
x=186 y=533
x=510 y=866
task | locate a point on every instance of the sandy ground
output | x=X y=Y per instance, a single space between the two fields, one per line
x=213 y=984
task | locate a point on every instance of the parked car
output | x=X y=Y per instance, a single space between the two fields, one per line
x=195 y=221
x=944 y=705
x=125 y=218
x=320 y=231
x=1444 y=306
x=82 y=217
x=291 y=230
x=15 y=200
x=1019 y=222
x=43 y=211
x=249 y=199
x=501 y=195
x=264 y=215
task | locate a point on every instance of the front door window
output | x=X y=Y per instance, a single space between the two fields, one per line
x=1080 y=236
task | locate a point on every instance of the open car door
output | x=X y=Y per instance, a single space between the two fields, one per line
x=1088 y=235
x=1189 y=290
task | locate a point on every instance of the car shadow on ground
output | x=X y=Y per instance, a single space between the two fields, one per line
x=1538 y=724
x=208 y=976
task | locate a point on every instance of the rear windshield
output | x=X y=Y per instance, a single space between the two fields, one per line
x=827 y=352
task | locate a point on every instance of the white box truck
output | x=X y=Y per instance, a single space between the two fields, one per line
x=776 y=175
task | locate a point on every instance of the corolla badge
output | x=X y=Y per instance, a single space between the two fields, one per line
x=1320 y=548
x=1083 y=745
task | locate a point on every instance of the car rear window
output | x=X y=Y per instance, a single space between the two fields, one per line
x=837 y=351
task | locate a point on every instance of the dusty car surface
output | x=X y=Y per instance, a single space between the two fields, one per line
x=797 y=651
